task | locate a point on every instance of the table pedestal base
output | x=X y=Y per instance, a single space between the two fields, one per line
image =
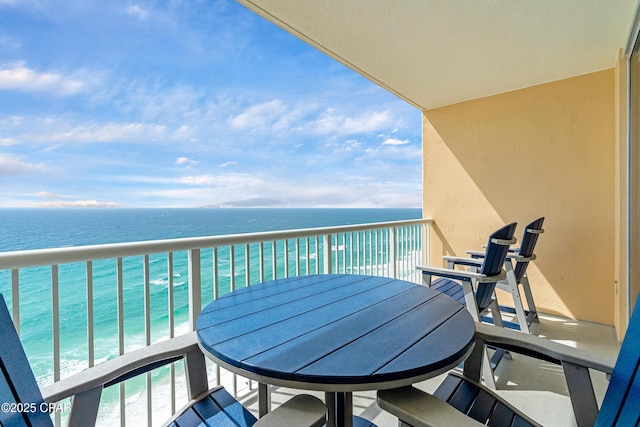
x=340 y=411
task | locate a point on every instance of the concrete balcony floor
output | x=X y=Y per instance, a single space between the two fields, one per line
x=534 y=386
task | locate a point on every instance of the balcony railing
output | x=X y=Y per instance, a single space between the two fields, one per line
x=133 y=294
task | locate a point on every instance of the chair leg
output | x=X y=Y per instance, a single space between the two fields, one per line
x=495 y=313
x=583 y=399
x=472 y=308
x=529 y=296
x=84 y=408
x=517 y=299
x=426 y=280
x=470 y=300
x=478 y=365
x=487 y=372
x=511 y=285
x=520 y=313
x=196 y=373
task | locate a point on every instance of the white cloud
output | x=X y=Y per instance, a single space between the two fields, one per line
x=11 y=120
x=79 y=204
x=186 y=162
x=8 y=141
x=185 y=132
x=48 y=195
x=138 y=12
x=395 y=141
x=367 y=122
x=259 y=115
x=389 y=152
x=308 y=191
x=331 y=122
x=110 y=132
x=180 y=105
x=348 y=146
x=9 y=42
x=13 y=166
x=19 y=77
x=197 y=180
x=224 y=165
x=305 y=119
x=223 y=180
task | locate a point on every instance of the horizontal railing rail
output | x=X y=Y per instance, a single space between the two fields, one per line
x=142 y=292
x=40 y=257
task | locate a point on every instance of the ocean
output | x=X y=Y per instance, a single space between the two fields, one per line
x=49 y=228
x=25 y=229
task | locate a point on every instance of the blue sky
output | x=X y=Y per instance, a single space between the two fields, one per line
x=189 y=104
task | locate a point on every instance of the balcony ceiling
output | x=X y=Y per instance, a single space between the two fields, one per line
x=434 y=53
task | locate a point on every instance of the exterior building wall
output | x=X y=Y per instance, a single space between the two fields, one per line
x=547 y=150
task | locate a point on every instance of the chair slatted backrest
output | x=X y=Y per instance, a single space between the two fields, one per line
x=529 y=239
x=621 y=404
x=496 y=253
x=17 y=382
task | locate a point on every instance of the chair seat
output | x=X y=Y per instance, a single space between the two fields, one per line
x=479 y=403
x=218 y=408
x=454 y=290
x=450 y=288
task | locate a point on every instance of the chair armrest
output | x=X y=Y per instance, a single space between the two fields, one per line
x=462 y=261
x=122 y=367
x=419 y=409
x=459 y=274
x=512 y=254
x=476 y=254
x=515 y=249
x=575 y=365
x=541 y=348
x=519 y=258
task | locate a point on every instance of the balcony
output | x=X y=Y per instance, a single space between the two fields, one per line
x=135 y=294
x=138 y=293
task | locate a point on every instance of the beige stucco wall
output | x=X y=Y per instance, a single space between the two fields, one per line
x=547 y=150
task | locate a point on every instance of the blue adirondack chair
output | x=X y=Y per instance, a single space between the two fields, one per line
x=469 y=403
x=490 y=270
x=475 y=289
x=23 y=403
x=516 y=277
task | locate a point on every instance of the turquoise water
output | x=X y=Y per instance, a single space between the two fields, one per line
x=35 y=229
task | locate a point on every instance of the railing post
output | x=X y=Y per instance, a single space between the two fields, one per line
x=15 y=299
x=195 y=287
x=426 y=249
x=326 y=250
x=90 y=319
x=274 y=259
x=392 y=252
x=55 y=317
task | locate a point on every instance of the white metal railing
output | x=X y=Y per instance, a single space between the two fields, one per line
x=213 y=266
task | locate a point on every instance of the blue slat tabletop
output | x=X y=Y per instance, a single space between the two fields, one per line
x=336 y=332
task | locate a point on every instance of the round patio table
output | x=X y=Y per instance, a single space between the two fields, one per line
x=336 y=333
